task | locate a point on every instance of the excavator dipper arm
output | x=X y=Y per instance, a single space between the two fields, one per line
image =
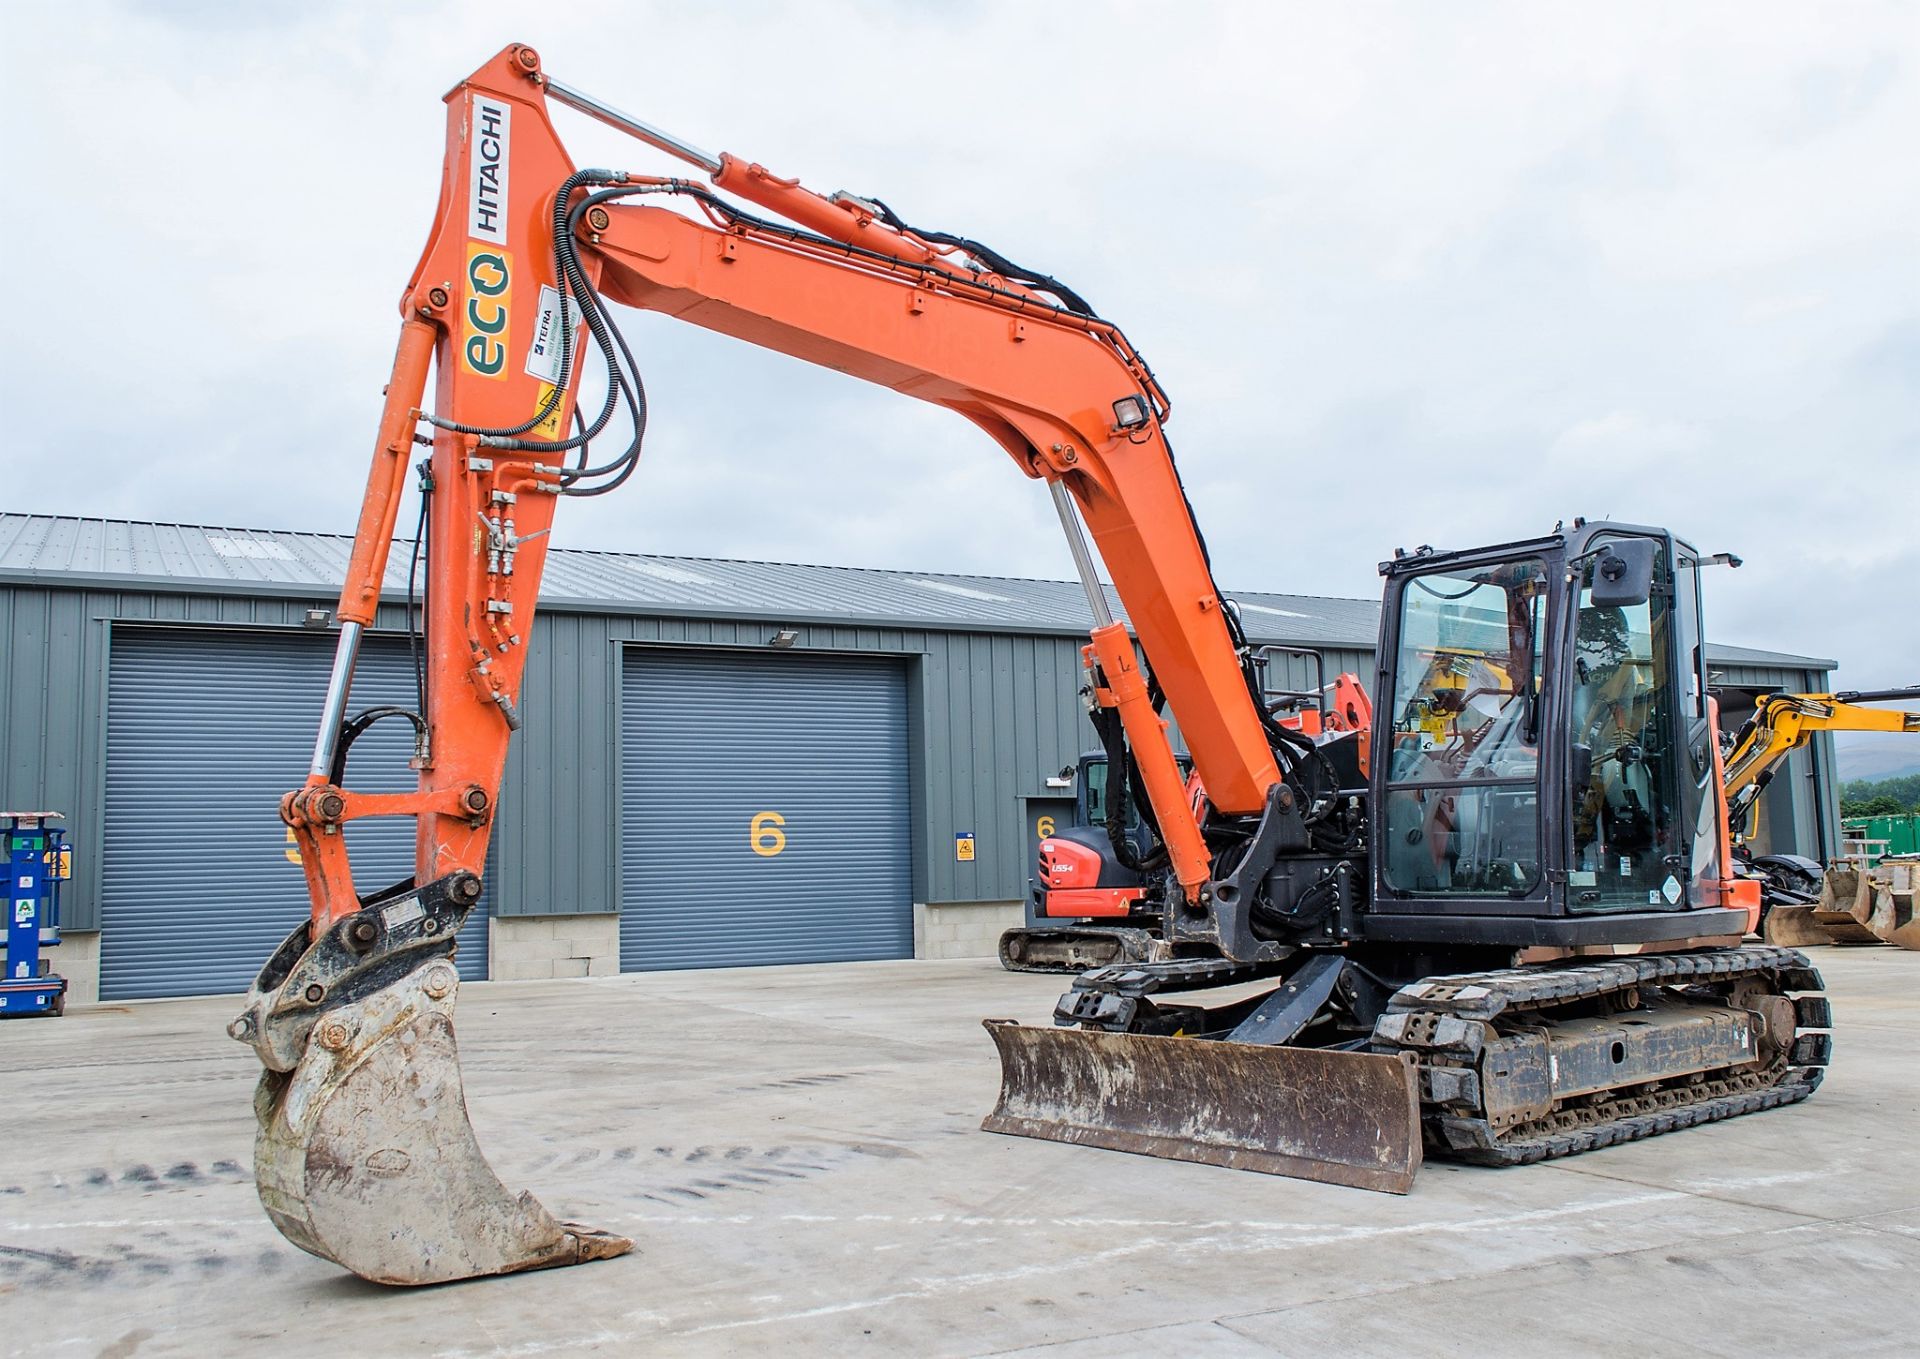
x=1782 y=723
x=364 y=1154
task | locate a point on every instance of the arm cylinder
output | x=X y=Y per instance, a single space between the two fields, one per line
x=581 y=102
x=373 y=535
x=346 y=653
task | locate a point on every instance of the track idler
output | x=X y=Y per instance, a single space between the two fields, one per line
x=1349 y=1118
x=365 y=1155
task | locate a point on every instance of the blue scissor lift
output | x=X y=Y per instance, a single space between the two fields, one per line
x=38 y=859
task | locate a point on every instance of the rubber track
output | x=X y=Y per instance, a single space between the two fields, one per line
x=1180 y=974
x=1437 y=1019
x=1130 y=946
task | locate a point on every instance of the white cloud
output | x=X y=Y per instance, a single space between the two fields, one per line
x=1621 y=440
x=1412 y=273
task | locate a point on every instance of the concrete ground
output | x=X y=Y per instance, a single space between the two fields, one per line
x=797 y=1152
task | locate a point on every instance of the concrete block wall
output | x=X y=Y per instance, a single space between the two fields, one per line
x=537 y=948
x=963 y=929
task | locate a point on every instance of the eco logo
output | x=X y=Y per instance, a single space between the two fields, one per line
x=483 y=339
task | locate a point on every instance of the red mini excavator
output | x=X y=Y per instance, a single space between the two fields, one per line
x=1512 y=931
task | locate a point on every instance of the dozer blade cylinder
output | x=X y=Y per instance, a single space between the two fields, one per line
x=364 y=1154
x=1350 y=1118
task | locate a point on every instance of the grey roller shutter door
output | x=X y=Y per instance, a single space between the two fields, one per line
x=709 y=741
x=205 y=730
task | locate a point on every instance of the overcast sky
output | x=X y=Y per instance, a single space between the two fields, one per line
x=1413 y=273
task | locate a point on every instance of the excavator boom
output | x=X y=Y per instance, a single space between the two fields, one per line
x=360 y=1106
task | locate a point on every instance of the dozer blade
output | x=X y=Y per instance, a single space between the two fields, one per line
x=1349 y=1118
x=365 y=1155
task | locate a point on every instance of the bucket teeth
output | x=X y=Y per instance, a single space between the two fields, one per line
x=365 y=1155
x=1349 y=1118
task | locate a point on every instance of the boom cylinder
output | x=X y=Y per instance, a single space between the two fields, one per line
x=1082 y=555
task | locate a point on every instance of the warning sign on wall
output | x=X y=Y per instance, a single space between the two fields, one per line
x=963 y=847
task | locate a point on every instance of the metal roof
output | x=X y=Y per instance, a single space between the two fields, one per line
x=64 y=550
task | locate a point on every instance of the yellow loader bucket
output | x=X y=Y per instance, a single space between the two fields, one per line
x=1349 y=1118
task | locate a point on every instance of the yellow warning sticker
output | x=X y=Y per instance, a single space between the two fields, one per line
x=550 y=427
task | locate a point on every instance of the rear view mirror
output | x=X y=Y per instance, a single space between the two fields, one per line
x=1623 y=575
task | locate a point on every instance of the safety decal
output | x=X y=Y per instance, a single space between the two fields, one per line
x=549 y=427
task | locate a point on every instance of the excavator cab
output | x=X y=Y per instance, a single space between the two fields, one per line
x=1549 y=748
x=1093 y=801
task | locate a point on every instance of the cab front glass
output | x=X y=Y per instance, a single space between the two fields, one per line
x=1462 y=815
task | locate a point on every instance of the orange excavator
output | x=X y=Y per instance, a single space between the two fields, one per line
x=1512 y=932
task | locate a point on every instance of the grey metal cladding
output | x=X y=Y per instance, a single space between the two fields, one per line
x=765 y=809
x=48 y=549
x=206 y=728
x=61 y=579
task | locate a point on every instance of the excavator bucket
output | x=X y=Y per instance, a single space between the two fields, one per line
x=1896 y=914
x=1794 y=927
x=1350 y=1118
x=1846 y=905
x=364 y=1154
x=1883 y=902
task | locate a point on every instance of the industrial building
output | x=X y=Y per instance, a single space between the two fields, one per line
x=723 y=762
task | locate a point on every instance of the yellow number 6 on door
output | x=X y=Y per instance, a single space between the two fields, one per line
x=765 y=835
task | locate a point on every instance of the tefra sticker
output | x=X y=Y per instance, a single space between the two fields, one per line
x=543 y=355
x=1670 y=889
